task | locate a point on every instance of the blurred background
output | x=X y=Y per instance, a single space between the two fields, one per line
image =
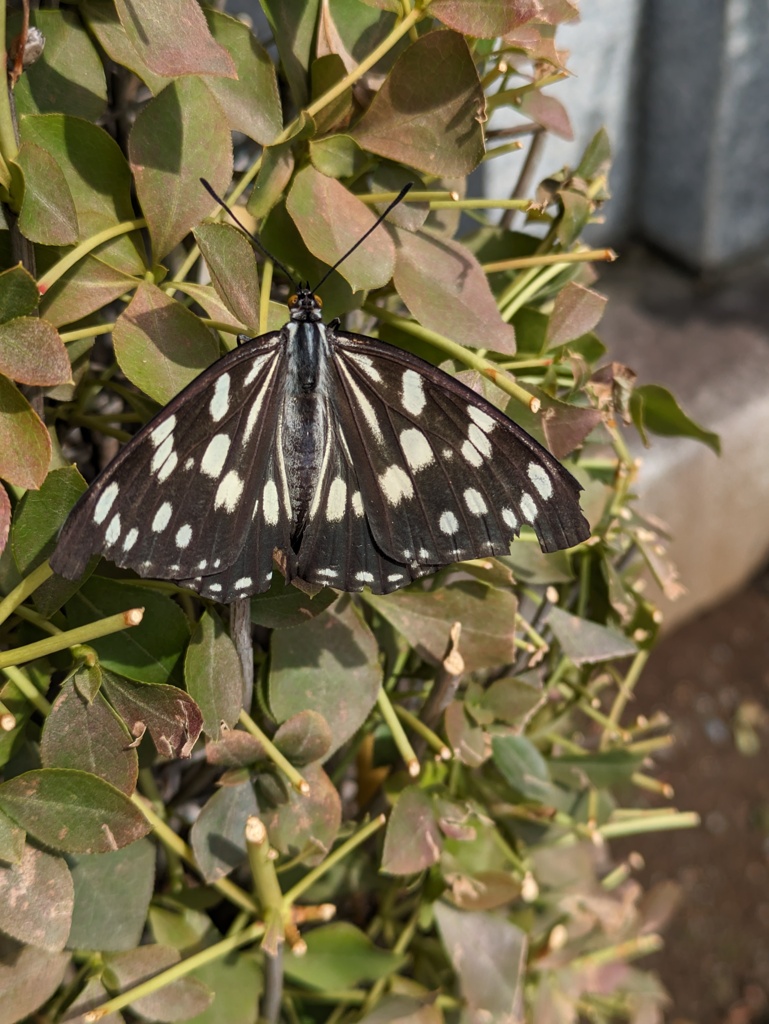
x=682 y=87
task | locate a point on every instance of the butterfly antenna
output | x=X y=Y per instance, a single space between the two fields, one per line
x=363 y=238
x=248 y=233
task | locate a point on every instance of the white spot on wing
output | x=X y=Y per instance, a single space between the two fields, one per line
x=229 y=491
x=329 y=573
x=448 y=523
x=337 y=497
x=253 y=373
x=363 y=403
x=189 y=463
x=528 y=507
x=113 y=530
x=394 y=577
x=243 y=582
x=183 y=538
x=540 y=479
x=130 y=539
x=357 y=504
x=424 y=554
x=416 y=448
x=271 y=506
x=479 y=439
x=413 y=392
x=159 y=434
x=471 y=454
x=510 y=518
x=484 y=421
x=368 y=368
x=162 y=517
x=220 y=402
x=475 y=503
x=256 y=407
x=162 y=454
x=396 y=484
x=215 y=588
x=105 y=502
x=215 y=455
x=168 y=467
x=365 y=577
x=203 y=564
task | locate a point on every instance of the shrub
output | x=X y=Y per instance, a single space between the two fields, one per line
x=439 y=770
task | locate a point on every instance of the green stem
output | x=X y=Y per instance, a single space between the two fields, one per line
x=278 y=759
x=548 y=259
x=59 y=269
x=369 y=198
x=657 y=822
x=27 y=689
x=206 y=956
x=265 y=287
x=459 y=352
x=86 y=332
x=9 y=150
x=418 y=726
x=80 y=635
x=537 y=283
x=332 y=860
x=398 y=733
x=28 y=585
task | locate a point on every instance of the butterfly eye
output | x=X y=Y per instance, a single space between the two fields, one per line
x=318 y=300
x=292 y=301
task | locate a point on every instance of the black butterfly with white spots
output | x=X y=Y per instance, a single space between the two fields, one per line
x=356 y=463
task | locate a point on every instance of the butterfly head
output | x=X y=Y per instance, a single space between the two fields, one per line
x=305 y=306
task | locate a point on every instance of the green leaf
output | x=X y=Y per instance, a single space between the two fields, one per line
x=272 y=180
x=524 y=768
x=48 y=213
x=112 y=895
x=653 y=408
x=25 y=444
x=309 y=824
x=170 y=715
x=425 y=620
x=90 y=737
x=485 y=19
x=604 y=769
x=251 y=102
x=218 y=835
x=147 y=652
x=40 y=891
x=18 y=293
x=232 y=266
x=340 y=956
x=28 y=977
x=39 y=517
x=180 y=137
x=284 y=605
x=328 y=665
x=84 y=289
x=428 y=112
x=104 y=24
x=72 y=811
x=213 y=674
x=293 y=29
x=178 y=1001
x=172 y=38
x=304 y=738
x=445 y=288
x=100 y=185
x=488 y=953
x=160 y=346
x=31 y=352
x=469 y=742
x=413 y=840
x=69 y=76
x=331 y=220
x=509 y=699
x=588 y=642
x=338 y=156
x=5 y=517
x=12 y=840
x=596 y=158
x=237 y=986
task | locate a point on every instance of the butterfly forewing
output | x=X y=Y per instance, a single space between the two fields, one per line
x=189 y=498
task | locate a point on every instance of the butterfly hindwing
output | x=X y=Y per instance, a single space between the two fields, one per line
x=198 y=495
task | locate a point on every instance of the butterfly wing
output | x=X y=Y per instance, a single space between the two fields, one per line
x=199 y=494
x=425 y=473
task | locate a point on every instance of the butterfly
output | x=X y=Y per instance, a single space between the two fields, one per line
x=355 y=463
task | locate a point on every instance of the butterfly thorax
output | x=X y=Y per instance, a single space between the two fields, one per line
x=305 y=416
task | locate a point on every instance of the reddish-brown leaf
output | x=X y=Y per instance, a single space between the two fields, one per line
x=413 y=841
x=547 y=111
x=331 y=220
x=429 y=111
x=484 y=19
x=575 y=312
x=32 y=352
x=172 y=38
x=445 y=288
x=5 y=517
